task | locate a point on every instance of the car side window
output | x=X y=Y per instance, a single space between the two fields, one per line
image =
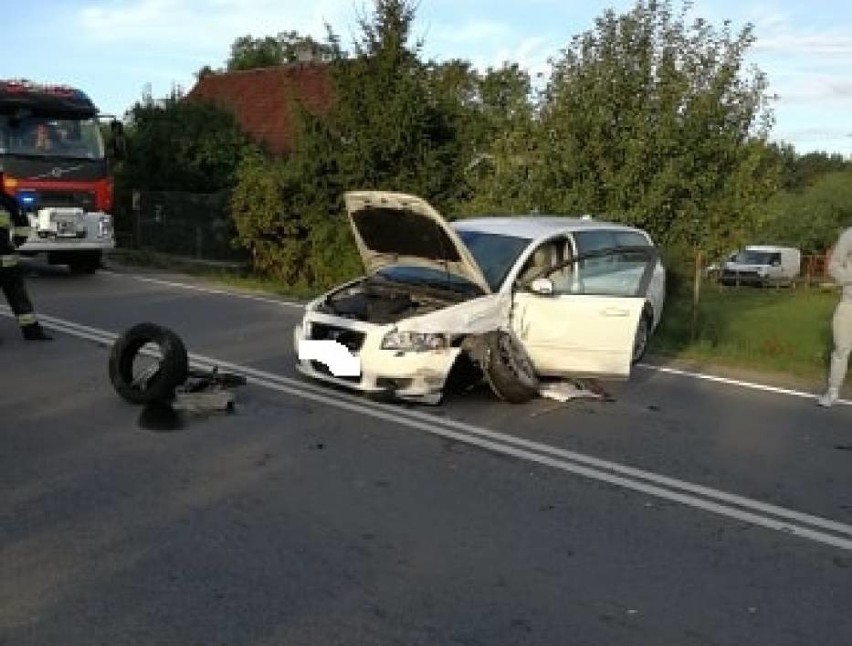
x=564 y=275
x=546 y=256
x=610 y=272
x=593 y=241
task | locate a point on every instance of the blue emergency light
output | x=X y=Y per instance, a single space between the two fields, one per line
x=27 y=198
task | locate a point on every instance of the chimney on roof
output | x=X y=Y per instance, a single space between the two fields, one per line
x=306 y=52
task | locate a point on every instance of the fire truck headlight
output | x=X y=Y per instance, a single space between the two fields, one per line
x=105 y=226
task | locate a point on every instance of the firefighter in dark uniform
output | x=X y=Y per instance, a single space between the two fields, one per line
x=14 y=230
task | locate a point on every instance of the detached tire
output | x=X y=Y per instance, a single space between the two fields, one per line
x=508 y=369
x=172 y=371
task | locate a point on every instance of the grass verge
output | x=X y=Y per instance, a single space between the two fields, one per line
x=773 y=330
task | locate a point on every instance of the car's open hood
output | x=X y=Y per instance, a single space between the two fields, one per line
x=400 y=229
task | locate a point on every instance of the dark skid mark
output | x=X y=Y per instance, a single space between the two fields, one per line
x=160 y=417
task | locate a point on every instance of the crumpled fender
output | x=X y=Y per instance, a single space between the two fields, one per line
x=476 y=316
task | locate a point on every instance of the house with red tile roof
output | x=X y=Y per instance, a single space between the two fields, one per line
x=263 y=99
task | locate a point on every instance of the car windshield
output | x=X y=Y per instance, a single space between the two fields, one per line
x=428 y=277
x=46 y=137
x=751 y=257
x=495 y=254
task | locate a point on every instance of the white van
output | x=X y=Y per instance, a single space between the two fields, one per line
x=762 y=265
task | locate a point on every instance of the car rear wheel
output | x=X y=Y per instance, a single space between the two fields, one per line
x=508 y=368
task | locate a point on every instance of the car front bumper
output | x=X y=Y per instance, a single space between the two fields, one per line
x=406 y=375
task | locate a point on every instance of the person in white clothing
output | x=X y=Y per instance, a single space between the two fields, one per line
x=840 y=269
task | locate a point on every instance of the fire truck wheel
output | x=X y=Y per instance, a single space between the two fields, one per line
x=153 y=379
x=84 y=262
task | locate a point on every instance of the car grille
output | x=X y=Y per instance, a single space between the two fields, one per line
x=744 y=273
x=746 y=276
x=352 y=339
x=76 y=199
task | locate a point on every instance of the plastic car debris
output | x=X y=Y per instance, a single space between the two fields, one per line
x=564 y=391
x=207 y=391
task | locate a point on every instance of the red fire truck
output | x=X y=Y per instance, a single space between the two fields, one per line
x=55 y=164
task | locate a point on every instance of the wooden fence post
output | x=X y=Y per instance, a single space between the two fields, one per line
x=696 y=293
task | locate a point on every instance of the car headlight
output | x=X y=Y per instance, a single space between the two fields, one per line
x=413 y=341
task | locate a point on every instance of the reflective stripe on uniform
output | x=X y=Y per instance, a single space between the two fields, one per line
x=8 y=261
x=22 y=231
x=27 y=319
x=5 y=220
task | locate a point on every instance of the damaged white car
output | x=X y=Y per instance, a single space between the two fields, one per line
x=520 y=298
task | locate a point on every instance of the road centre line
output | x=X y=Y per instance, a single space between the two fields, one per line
x=646 y=366
x=697 y=496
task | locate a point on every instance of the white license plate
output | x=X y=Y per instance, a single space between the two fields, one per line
x=66 y=228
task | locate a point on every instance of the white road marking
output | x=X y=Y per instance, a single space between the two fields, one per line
x=205 y=290
x=735 y=382
x=722 y=503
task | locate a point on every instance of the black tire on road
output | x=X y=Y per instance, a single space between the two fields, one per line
x=172 y=371
x=508 y=369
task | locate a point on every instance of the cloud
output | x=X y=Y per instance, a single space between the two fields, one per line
x=531 y=54
x=790 y=43
x=474 y=32
x=806 y=65
x=489 y=43
x=194 y=24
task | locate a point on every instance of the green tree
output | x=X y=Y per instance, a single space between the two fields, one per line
x=504 y=131
x=808 y=168
x=175 y=144
x=264 y=226
x=389 y=129
x=654 y=122
x=287 y=47
x=810 y=218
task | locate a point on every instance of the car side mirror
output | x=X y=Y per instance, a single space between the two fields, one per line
x=542 y=286
x=117 y=144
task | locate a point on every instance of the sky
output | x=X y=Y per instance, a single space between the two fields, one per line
x=119 y=50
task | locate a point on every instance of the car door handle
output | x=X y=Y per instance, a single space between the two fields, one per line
x=615 y=311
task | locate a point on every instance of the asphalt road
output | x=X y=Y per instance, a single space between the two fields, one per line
x=686 y=511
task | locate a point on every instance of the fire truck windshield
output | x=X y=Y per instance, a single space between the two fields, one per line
x=46 y=137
